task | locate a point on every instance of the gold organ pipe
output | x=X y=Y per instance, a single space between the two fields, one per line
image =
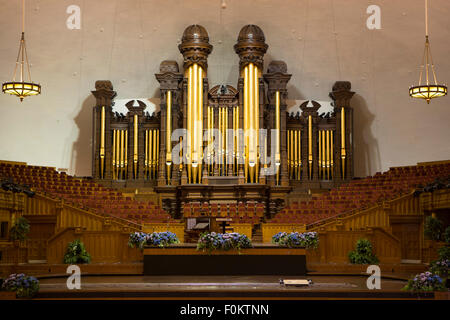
x=102 y=143
x=135 y=154
x=224 y=141
x=156 y=152
x=256 y=122
x=290 y=152
x=169 y=127
x=295 y=149
x=151 y=146
x=331 y=154
x=328 y=153
x=125 y=153
x=114 y=154
x=343 y=151
x=200 y=123
x=320 y=154
x=209 y=140
x=227 y=152
x=299 y=156
x=117 y=153
x=146 y=153
x=189 y=121
x=234 y=140
x=251 y=105
x=194 y=110
x=237 y=139
x=324 y=155
x=121 y=153
x=277 y=122
x=246 y=122
x=310 y=154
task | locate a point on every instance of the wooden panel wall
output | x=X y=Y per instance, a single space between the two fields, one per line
x=103 y=246
x=270 y=229
x=334 y=246
x=177 y=228
x=242 y=228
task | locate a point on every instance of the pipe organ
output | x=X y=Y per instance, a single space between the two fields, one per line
x=224 y=135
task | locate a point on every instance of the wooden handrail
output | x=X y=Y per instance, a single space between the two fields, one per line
x=357 y=211
x=121 y=222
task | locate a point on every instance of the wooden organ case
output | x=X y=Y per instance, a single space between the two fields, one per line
x=205 y=144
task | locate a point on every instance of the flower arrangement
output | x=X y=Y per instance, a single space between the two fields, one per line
x=425 y=281
x=24 y=286
x=76 y=253
x=308 y=240
x=223 y=241
x=156 y=239
x=440 y=267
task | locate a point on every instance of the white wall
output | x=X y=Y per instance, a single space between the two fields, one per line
x=321 y=40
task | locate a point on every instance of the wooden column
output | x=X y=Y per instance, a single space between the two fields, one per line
x=341 y=96
x=170 y=79
x=277 y=79
x=104 y=96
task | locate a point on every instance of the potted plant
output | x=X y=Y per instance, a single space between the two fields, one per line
x=363 y=253
x=76 y=253
x=433 y=228
x=19 y=230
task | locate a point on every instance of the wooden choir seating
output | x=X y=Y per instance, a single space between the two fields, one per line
x=249 y=213
x=84 y=193
x=361 y=194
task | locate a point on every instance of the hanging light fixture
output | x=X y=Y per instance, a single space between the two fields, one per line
x=428 y=90
x=25 y=87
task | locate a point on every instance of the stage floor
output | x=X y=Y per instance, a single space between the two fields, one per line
x=186 y=287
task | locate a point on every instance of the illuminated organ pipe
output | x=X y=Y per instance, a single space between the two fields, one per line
x=168 y=134
x=119 y=156
x=343 y=151
x=310 y=146
x=102 y=143
x=195 y=122
x=251 y=121
x=136 y=146
x=277 y=127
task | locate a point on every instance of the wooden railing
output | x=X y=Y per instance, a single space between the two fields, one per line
x=439 y=199
x=334 y=246
x=13 y=252
x=12 y=201
x=68 y=215
x=103 y=246
x=375 y=216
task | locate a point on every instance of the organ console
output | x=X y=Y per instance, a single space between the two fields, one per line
x=227 y=139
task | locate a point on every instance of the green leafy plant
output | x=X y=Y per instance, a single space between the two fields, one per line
x=433 y=228
x=76 y=253
x=363 y=253
x=20 y=229
x=447 y=234
x=444 y=253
